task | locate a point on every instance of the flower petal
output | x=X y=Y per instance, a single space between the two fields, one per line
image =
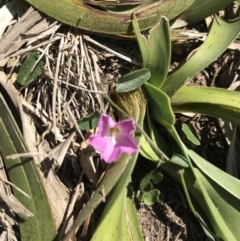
x=113 y=139
x=127 y=144
x=127 y=126
x=104 y=124
x=111 y=153
x=106 y=147
x=98 y=142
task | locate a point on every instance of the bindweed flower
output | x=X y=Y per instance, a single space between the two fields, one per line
x=114 y=138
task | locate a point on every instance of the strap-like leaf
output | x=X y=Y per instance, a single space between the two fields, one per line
x=24 y=174
x=221 y=35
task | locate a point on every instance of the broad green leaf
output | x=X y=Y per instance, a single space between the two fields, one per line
x=189 y=134
x=131 y=228
x=156 y=177
x=154 y=133
x=190 y=177
x=150 y=197
x=147 y=151
x=210 y=101
x=119 y=220
x=30 y=69
x=159 y=104
x=218 y=222
x=217 y=207
x=24 y=174
x=226 y=181
x=118 y=9
x=133 y=80
x=221 y=35
x=156 y=50
x=224 y=192
x=89 y=122
x=145 y=184
x=199 y=10
x=178 y=160
x=79 y=14
x=110 y=226
x=153 y=177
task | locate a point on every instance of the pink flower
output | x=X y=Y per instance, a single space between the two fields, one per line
x=113 y=139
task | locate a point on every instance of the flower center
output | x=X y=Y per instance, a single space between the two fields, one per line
x=114 y=131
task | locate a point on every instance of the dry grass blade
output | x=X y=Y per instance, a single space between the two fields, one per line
x=120 y=55
x=7 y=13
x=24 y=24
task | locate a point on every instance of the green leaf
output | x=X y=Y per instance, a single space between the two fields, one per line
x=152 y=177
x=221 y=35
x=110 y=225
x=156 y=177
x=89 y=122
x=24 y=174
x=133 y=80
x=178 y=160
x=189 y=134
x=210 y=101
x=199 y=10
x=193 y=183
x=214 y=205
x=226 y=181
x=119 y=219
x=156 y=50
x=151 y=197
x=159 y=104
x=145 y=184
x=147 y=151
x=30 y=69
x=79 y=14
x=156 y=136
x=131 y=229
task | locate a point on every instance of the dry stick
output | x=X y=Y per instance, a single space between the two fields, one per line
x=75 y=122
x=22 y=51
x=81 y=88
x=55 y=92
x=88 y=64
x=97 y=79
x=112 y=51
x=14 y=186
x=81 y=69
x=68 y=74
x=178 y=235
